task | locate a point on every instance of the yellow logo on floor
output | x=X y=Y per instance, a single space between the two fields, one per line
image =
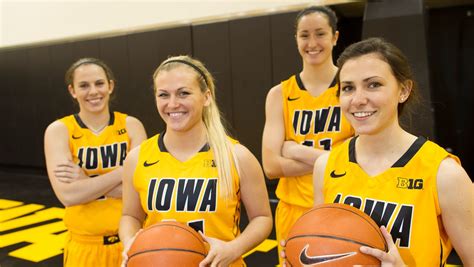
x=32 y=223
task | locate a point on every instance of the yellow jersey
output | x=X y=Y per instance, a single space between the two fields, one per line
x=97 y=155
x=404 y=198
x=313 y=121
x=186 y=192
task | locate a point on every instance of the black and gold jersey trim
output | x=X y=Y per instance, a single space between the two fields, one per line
x=301 y=85
x=402 y=161
x=162 y=147
x=83 y=125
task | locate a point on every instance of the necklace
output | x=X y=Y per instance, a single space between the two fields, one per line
x=97 y=131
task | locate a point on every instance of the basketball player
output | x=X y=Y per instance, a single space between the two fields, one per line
x=193 y=172
x=84 y=154
x=303 y=117
x=408 y=184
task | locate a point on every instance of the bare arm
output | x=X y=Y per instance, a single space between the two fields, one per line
x=274 y=163
x=132 y=212
x=455 y=194
x=318 y=178
x=301 y=153
x=137 y=135
x=70 y=184
x=255 y=198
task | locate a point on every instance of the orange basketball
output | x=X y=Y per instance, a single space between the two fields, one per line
x=331 y=235
x=167 y=244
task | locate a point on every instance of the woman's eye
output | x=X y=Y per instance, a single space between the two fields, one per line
x=374 y=85
x=346 y=88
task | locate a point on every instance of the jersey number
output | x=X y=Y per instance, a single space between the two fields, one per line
x=323 y=143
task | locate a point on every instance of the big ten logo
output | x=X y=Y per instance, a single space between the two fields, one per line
x=410 y=183
x=122 y=131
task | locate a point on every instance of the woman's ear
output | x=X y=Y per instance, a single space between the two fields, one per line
x=208 y=98
x=405 y=90
x=111 y=86
x=71 y=91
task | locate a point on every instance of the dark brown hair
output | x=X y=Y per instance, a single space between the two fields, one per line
x=389 y=53
x=69 y=77
x=329 y=13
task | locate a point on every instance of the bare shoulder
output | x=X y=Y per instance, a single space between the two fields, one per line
x=132 y=121
x=450 y=174
x=242 y=153
x=56 y=129
x=322 y=160
x=132 y=156
x=135 y=130
x=275 y=91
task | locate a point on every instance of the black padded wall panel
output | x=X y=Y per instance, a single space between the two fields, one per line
x=211 y=45
x=39 y=85
x=114 y=52
x=286 y=60
x=251 y=77
x=89 y=48
x=451 y=36
x=146 y=51
x=143 y=59
x=62 y=56
x=15 y=99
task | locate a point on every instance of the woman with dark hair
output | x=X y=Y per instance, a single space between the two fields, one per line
x=413 y=188
x=303 y=117
x=84 y=157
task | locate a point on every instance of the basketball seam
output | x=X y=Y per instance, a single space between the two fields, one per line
x=194 y=234
x=332 y=237
x=165 y=249
x=368 y=221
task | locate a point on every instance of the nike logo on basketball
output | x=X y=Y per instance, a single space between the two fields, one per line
x=76 y=137
x=146 y=164
x=337 y=175
x=310 y=260
x=293 y=99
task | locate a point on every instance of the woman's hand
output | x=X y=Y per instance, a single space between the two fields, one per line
x=282 y=252
x=391 y=258
x=220 y=254
x=68 y=172
x=126 y=247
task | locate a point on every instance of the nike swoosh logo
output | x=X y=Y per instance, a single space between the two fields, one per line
x=336 y=175
x=146 y=164
x=76 y=137
x=293 y=99
x=310 y=260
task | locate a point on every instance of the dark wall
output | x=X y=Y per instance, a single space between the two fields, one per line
x=246 y=56
x=451 y=43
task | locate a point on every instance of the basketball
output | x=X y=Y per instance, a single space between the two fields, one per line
x=167 y=244
x=331 y=235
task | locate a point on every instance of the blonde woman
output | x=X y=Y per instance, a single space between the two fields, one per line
x=193 y=172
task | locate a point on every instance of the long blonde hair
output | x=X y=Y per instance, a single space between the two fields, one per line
x=216 y=132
